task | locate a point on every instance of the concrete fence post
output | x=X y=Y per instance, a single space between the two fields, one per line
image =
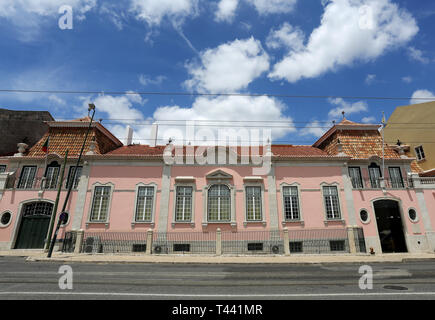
x=218 y=242
x=80 y=234
x=286 y=242
x=149 y=241
x=351 y=239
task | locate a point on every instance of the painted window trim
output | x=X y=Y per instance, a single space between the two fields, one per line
x=360 y=175
x=369 y=218
x=153 y=212
x=301 y=215
x=416 y=153
x=417 y=216
x=401 y=177
x=232 y=188
x=99 y=184
x=10 y=220
x=340 y=205
x=259 y=184
x=35 y=178
x=65 y=185
x=192 y=218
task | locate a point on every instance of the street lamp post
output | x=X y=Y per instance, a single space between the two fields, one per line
x=63 y=214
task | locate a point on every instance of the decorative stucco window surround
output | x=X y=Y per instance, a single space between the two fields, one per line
x=416 y=220
x=151 y=221
x=184 y=182
x=2 y=217
x=254 y=182
x=340 y=206
x=109 y=204
x=216 y=178
x=301 y=216
x=368 y=216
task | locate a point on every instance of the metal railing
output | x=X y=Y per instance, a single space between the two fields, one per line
x=40 y=183
x=184 y=242
x=253 y=242
x=301 y=241
x=387 y=183
x=317 y=241
x=114 y=242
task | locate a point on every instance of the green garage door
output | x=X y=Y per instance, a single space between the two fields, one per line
x=34 y=225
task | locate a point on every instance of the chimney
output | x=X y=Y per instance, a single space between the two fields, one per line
x=154 y=133
x=129 y=135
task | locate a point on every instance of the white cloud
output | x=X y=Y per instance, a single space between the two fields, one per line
x=265 y=7
x=55 y=99
x=370 y=79
x=417 y=55
x=229 y=67
x=153 y=12
x=314 y=128
x=421 y=94
x=368 y=120
x=221 y=112
x=147 y=80
x=348 y=108
x=287 y=36
x=27 y=17
x=12 y=8
x=227 y=8
x=350 y=31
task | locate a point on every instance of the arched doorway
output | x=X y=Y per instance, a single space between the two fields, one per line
x=35 y=219
x=390 y=226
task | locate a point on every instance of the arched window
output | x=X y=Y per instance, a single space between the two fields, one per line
x=219 y=203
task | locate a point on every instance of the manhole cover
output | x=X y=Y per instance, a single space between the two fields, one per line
x=395 y=288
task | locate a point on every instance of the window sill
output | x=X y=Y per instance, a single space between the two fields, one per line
x=134 y=223
x=174 y=223
x=245 y=223
x=301 y=222
x=326 y=222
x=106 y=223
x=232 y=223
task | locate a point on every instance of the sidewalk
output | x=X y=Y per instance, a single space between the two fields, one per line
x=39 y=255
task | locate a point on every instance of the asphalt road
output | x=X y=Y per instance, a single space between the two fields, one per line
x=40 y=280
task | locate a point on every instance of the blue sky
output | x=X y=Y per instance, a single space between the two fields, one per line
x=376 y=48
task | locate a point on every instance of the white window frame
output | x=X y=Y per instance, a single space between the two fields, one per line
x=232 y=220
x=3 y=166
x=49 y=179
x=391 y=177
x=174 y=211
x=301 y=216
x=153 y=212
x=337 y=185
x=421 y=155
x=417 y=218
x=262 y=208
x=76 y=179
x=109 y=205
x=360 y=176
x=368 y=216
x=21 y=175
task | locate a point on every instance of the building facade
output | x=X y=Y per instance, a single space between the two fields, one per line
x=311 y=196
x=413 y=126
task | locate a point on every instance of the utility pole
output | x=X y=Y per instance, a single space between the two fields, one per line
x=63 y=213
x=53 y=214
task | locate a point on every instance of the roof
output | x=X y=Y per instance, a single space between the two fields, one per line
x=70 y=135
x=346 y=125
x=281 y=151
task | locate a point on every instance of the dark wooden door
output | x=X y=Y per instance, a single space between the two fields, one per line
x=34 y=225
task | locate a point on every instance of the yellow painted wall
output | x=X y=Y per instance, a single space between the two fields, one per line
x=414 y=125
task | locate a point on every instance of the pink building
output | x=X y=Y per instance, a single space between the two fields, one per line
x=328 y=197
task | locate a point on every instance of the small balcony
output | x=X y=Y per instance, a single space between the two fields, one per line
x=382 y=183
x=40 y=183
